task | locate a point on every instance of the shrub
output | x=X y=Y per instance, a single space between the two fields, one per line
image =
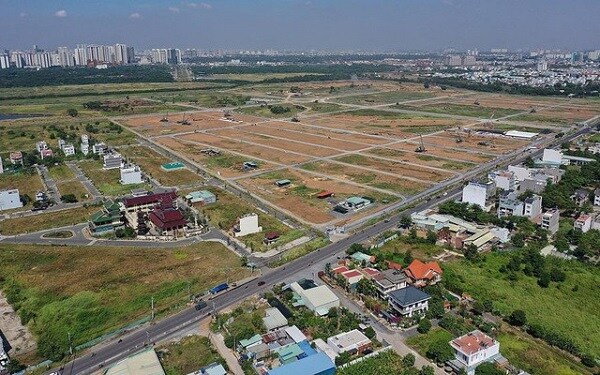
x=517 y=318
x=424 y=325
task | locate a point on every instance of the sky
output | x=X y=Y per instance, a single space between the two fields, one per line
x=334 y=25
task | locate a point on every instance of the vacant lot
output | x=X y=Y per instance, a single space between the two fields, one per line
x=188 y=355
x=573 y=303
x=46 y=220
x=52 y=290
x=27 y=181
x=420 y=158
x=228 y=208
x=107 y=181
x=150 y=162
x=389 y=97
x=477 y=111
x=61 y=173
x=273 y=110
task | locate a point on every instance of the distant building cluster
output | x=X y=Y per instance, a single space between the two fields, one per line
x=82 y=55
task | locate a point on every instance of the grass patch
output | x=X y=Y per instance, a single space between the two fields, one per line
x=188 y=355
x=150 y=162
x=387 y=362
x=462 y=110
x=385 y=115
x=301 y=251
x=107 y=181
x=422 y=342
x=323 y=107
x=541 y=118
x=27 y=181
x=395 y=250
x=573 y=303
x=228 y=208
x=46 y=220
x=288 y=110
x=225 y=160
x=384 y=97
x=51 y=288
x=60 y=173
x=74 y=187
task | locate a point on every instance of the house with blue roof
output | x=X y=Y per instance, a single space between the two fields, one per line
x=409 y=301
x=316 y=364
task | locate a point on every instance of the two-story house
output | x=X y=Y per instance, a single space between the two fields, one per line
x=421 y=274
x=388 y=281
x=473 y=349
x=409 y=301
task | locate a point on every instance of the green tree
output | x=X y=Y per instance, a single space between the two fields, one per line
x=370 y=332
x=517 y=318
x=405 y=221
x=343 y=358
x=544 y=279
x=355 y=248
x=488 y=368
x=366 y=287
x=424 y=325
x=408 y=360
x=518 y=240
x=440 y=352
x=427 y=370
x=431 y=237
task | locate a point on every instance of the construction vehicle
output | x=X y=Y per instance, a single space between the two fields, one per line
x=459 y=138
x=295 y=119
x=227 y=113
x=165 y=118
x=421 y=147
x=476 y=102
x=184 y=121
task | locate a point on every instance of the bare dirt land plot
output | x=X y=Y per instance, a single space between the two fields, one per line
x=368 y=178
x=446 y=153
x=495 y=144
x=468 y=110
x=387 y=124
x=278 y=144
x=226 y=165
x=300 y=197
x=561 y=115
x=275 y=130
x=317 y=89
x=509 y=102
x=17 y=334
x=241 y=147
x=305 y=127
x=420 y=158
x=400 y=93
x=400 y=169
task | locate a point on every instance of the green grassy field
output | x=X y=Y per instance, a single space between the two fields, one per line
x=150 y=161
x=390 y=97
x=52 y=290
x=188 y=355
x=422 y=342
x=107 y=181
x=573 y=303
x=46 y=220
x=265 y=110
x=385 y=363
x=28 y=182
x=60 y=173
x=228 y=208
x=74 y=187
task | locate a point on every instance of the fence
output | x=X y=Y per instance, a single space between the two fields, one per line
x=358 y=360
x=384 y=241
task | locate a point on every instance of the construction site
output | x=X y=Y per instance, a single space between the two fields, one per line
x=380 y=141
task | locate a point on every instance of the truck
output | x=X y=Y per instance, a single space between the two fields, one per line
x=219 y=288
x=200 y=305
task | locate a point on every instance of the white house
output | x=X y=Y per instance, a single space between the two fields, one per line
x=478 y=193
x=1 y=166
x=532 y=206
x=247 y=224
x=352 y=341
x=130 y=174
x=583 y=223
x=85 y=144
x=41 y=145
x=473 y=349
x=597 y=197
x=10 y=199
x=68 y=149
x=112 y=161
x=99 y=149
x=388 y=281
x=550 y=220
x=551 y=156
x=504 y=180
x=409 y=301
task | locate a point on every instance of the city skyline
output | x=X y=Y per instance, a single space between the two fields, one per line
x=305 y=25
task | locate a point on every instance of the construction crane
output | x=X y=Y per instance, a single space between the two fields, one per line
x=459 y=138
x=184 y=121
x=165 y=118
x=421 y=147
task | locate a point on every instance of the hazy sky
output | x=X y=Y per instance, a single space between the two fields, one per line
x=390 y=25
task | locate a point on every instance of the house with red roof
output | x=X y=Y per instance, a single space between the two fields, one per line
x=167 y=221
x=340 y=269
x=421 y=274
x=370 y=272
x=473 y=349
x=352 y=277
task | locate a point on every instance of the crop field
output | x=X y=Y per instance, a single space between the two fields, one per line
x=300 y=196
x=52 y=285
x=150 y=162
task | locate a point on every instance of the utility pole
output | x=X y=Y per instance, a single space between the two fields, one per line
x=152 y=307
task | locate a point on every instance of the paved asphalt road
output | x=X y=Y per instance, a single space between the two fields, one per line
x=110 y=352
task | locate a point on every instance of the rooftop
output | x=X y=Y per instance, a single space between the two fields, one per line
x=473 y=342
x=409 y=295
x=274 y=319
x=423 y=271
x=149 y=199
x=315 y=364
x=347 y=339
x=143 y=363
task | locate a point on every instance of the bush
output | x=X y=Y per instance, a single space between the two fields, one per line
x=440 y=352
x=370 y=332
x=424 y=325
x=69 y=198
x=408 y=360
x=517 y=318
x=342 y=359
x=488 y=369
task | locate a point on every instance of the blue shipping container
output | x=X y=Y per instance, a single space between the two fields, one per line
x=219 y=288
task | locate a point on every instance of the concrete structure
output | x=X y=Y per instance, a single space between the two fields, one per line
x=473 y=349
x=112 y=161
x=1 y=166
x=549 y=220
x=509 y=205
x=315 y=364
x=99 y=149
x=352 y=277
x=130 y=174
x=202 y=196
x=318 y=300
x=478 y=193
x=10 y=199
x=143 y=363
x=409 y=301
x=596 y=197
x=532 y=206
x=520 y=134
x=388 y=281
x=581 y=197
x=68 y=149
x=353 y=341
x=247 y=224
x=274 y=319
x=583 y=223
x=504 y=180
x=211 y=369
x=41 y=145
x=551 y=156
